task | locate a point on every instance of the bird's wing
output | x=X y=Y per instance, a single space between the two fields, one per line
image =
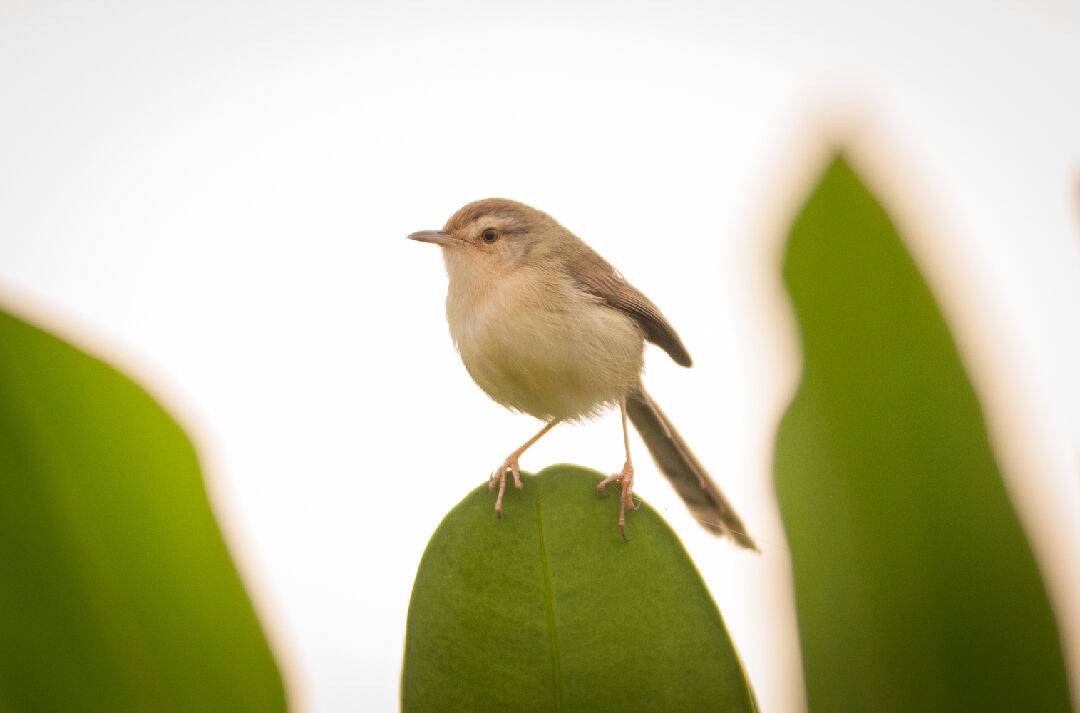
x=597 y=277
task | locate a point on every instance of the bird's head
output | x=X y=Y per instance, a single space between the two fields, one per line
x=496 y=236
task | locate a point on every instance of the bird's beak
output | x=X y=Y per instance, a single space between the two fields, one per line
x=439 y=237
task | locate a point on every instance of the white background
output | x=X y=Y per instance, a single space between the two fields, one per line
x=214 y=196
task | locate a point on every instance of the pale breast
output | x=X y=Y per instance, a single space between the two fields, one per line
x=545 y=348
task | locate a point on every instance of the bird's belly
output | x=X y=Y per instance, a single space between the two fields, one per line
x=564 y=364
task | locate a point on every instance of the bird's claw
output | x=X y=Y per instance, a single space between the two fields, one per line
x=499 y=477
x=626 y=497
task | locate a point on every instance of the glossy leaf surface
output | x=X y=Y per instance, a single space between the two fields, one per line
x=548 y=609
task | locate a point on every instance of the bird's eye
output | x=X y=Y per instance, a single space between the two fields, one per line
x=490 y=235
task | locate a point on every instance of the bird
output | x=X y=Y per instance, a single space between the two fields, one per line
x=547 y=327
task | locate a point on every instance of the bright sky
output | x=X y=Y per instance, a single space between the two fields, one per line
x=214 y=196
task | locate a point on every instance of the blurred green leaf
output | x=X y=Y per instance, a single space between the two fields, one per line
x=915 y=587
x=116 y=591
x=548 y=609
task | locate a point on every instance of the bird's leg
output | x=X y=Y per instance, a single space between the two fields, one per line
x=625 y=478
x=511 y=464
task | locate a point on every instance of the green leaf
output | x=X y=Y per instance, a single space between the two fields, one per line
x=915 y=587
x=548 y=609
x=116 y=591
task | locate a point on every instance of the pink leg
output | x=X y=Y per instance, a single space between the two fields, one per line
x=511 y=464
x=625 y=478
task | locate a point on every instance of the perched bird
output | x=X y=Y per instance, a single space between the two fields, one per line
x=547 y=327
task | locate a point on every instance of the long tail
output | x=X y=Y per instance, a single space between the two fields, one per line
x=690 y=480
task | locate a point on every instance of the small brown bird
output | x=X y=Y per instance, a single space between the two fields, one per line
x=547 y=327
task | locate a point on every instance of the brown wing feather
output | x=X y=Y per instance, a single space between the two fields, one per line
x=598 y=277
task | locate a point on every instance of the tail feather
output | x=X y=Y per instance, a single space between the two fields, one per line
x=690 y=480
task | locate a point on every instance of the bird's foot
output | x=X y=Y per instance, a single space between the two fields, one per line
x=626 y=498
x=499 y=478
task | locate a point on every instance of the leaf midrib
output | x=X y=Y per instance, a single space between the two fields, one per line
x=549 y=612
